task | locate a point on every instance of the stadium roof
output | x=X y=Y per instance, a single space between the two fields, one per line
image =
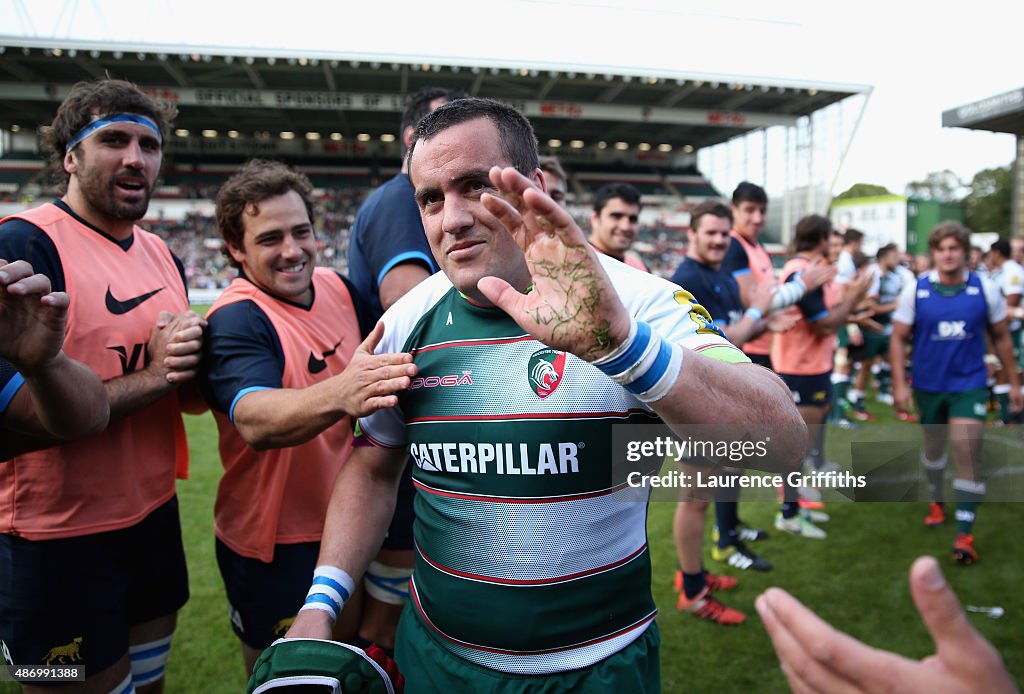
x=267 y=92
x=1003 y=113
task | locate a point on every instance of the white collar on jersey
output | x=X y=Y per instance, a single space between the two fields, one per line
x=933 y=275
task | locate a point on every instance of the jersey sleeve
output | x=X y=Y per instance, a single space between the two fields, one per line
x=672 y=312
x=994 y=300
x=22 y=240
x=735 y=262
x=876 y=280
x=812 y=305
x=242 y=354
x=1013 y=279
x=846 y=271
x=393 y=234
x=364 y=311
x=386 y=427
x=904 y=312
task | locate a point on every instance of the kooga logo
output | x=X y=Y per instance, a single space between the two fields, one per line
x=466 y=379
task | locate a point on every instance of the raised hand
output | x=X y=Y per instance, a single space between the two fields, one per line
x=32 y=317
x=572 y=305
x=817 y=274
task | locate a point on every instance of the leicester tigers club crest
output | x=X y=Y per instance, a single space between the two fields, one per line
x=545 y=371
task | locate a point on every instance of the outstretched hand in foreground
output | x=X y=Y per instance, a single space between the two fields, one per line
x=818 y=658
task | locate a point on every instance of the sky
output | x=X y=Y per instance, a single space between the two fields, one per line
x=919 y=58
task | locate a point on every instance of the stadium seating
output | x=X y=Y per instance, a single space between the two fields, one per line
x=182 y=207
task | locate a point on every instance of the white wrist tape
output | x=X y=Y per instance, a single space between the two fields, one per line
x=331 y=588
x=389 y=584
x=788 y=294
x=644 y=364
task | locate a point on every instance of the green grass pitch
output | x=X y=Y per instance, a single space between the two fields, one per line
x=856 y=579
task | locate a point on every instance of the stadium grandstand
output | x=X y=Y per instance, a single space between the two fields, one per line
x=335 y=117
x=1002 y=113
x=683 y=127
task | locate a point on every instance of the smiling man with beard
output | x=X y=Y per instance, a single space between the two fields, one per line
x=91 y=560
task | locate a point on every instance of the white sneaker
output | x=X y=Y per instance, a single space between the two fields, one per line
x=798 y=525
x=884 y=398
x=815 y=516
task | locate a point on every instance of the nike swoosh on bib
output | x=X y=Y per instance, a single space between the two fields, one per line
x=315 y=365
x=118 y=307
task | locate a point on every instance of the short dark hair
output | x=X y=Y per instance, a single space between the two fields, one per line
x=611 y=191
x=515 y=134
x=256 y=181
x=551 y=165
x=101 y=97
x=852 y=235
x=417 y=105
x=885 y=250
x=944 y=230
x=1002 y=247
x=749 y=192
x=860 y=260
x=811 y=231
x=715 y=208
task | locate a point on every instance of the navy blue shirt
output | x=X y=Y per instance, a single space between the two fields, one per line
x=812 y=305
x=242 y=352
x=22 y=240
x=387 y=231
x=735 y=262
x=714 y=289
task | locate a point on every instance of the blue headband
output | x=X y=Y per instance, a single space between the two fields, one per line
x=101 y=122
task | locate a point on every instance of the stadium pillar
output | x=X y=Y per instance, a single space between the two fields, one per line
x=1017 y=208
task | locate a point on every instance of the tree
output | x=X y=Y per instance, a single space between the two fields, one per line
x=862 y=190
x=942 y=186
x=987 y=205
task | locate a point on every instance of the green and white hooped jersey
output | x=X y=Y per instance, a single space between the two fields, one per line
x=886 y=286
x=531 y=550
x=1010 y=278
